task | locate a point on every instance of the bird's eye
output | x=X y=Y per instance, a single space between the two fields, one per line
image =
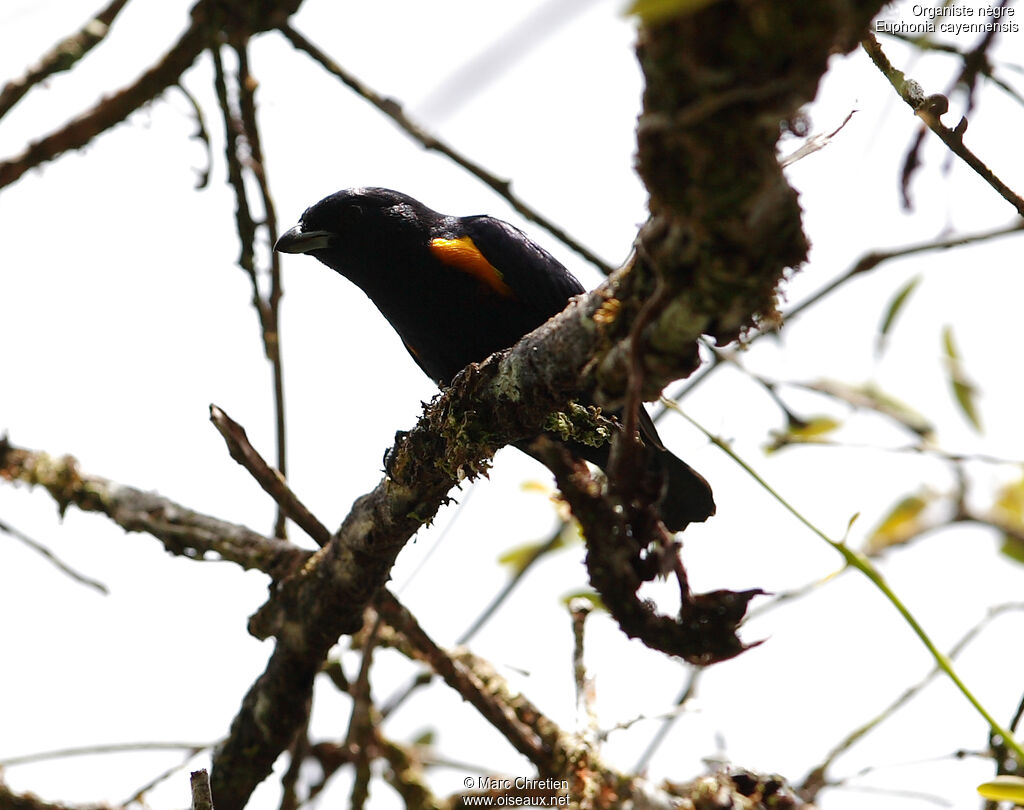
x=352 y=212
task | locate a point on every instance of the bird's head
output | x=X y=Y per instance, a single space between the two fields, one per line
x=351 y=222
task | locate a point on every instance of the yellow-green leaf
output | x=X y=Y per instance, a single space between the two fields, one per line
x=893 y=310
x=897 y=409
x=1009 y=504
x=964 y=391
x=425 y=737
x=1008 y=509
x=814 y=427
x=1003 y=789
x=656 y=10
x=803 y=432
x=902 y=523
x=591 y=596
x=1012 y=547
x=521 y=557
x=965 y=394
x=871 y=396
x=562 y=510
x=948 y=344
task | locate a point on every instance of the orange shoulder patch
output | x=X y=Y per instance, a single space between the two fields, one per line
x=463 y=255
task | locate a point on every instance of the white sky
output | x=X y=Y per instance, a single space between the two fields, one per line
x=124 y=317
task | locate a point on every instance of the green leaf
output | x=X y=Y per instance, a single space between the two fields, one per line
x=870 y=396
x=806 y=431
x=902 y=523
x=893 y=310
x=651 y=11
x=591 y=596
x=964 y=391
x=1008 y=509
x=425 y=737
x=965 y=394
x=898 y=410
x=948 y=344
x=1009 y=504
x=815 y=427
x=1012 y=547
x=1003 y=789
x=521 y=557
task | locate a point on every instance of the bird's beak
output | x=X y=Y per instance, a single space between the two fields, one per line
x=296 y=240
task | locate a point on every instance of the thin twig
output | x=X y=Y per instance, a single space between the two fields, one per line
x=916 y=449
x=269 y=479
x=406 y=774
x=53 y=558
x=63 y=56
x=815 y=143
x=929 y=109
x=271 y=300
x=686 y=693
x=817 y=778
x=236 y=136
x=138 y=796
x=202 y=798
x=524 y=738
x=181 y=530
x=1017 y=715
x=110 y=110
x=863 y=564
x=298 y=753
x=362 y=724
x=538 y=552
x=192 y=748
x=29 y=801
x=202 y=134
x=393 y=110
x=866 y=263
x=586 y=715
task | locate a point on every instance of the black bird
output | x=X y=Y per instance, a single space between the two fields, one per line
x=458 y=289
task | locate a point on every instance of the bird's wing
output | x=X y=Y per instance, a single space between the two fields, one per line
x=535 y=276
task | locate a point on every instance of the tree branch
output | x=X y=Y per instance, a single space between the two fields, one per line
x=109 y=111
x=63 y=56
x=930 y=109
x=181 y=530
x=725 y=225
x=210 y=20
x=502 y=400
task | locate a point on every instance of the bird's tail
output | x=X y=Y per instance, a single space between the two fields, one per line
x=686 y=497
